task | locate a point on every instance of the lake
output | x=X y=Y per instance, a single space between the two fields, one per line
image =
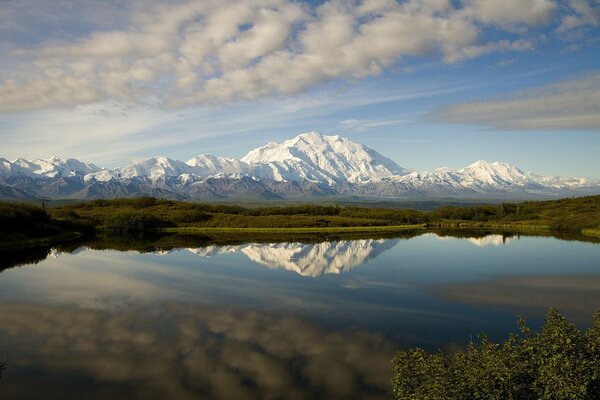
x=290 y=320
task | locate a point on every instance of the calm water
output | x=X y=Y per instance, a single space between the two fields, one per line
x=276 y=321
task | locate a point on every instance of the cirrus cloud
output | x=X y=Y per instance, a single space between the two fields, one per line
x=571 y=104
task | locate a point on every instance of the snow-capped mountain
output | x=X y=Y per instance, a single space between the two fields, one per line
x=307 y=166
x=206 y=164
x=153 y=168
x=319 y=158
x=496 y=174
x=53 y=167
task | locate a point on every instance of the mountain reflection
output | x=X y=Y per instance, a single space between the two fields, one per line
x=186 y=352
x=481 y=240
x=307 y=259
x=490 y=240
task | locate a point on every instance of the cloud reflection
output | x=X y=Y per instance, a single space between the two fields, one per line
x=186 y=352
x=577 y=297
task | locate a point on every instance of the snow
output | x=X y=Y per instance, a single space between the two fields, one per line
x=53 y=167
x=320 y=158
x=310 y=157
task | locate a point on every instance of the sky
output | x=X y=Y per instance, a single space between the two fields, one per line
x=427 y=83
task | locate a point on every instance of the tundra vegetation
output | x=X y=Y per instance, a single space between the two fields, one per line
x=21 y=223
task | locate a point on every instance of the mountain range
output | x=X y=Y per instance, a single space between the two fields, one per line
x=309 y=166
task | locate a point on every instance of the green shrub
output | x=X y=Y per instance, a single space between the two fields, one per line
x=23 y=218
x=560 y=362
x=188 y=216
x=128 y=222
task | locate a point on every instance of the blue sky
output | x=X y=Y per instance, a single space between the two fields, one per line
x=428 y=83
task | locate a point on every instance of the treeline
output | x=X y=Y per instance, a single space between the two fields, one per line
x=559 y=362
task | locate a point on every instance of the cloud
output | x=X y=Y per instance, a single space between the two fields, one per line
x=583 y=13
x=187 y=352
x=110 y=134
x=206 y=52
x=510 y=13
x=571 y=104
x=362 y=124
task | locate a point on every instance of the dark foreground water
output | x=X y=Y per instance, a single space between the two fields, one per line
x=272 y=321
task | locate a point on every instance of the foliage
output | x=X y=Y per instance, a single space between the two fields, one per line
x=128 y=222
x=24 y=218
x=560 y=362
x=565 y=216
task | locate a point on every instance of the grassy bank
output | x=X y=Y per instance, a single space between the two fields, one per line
x=24 y=223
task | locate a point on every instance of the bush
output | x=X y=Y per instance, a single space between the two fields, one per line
x=560 y=362
x=129 y=222
x=188 y=216
x=24 y=218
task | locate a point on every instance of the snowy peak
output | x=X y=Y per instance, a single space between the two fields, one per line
x=155 y=168
x=319 y=158
x=492 y=174
x=206 y=164
x=306 y=166
x=53 y=167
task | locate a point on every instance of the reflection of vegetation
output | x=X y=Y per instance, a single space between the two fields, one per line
x=2 y=368
x=560 y=362
x=32 y=255
x=149 y=243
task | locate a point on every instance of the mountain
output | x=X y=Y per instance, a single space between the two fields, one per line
x=319 y=158
x=53 y=167
x=206 y=164
x=307 y=167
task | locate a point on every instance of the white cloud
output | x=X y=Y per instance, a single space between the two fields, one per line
x=583 y=13
x=572 y=104
x=510 y=13
x=206 y=52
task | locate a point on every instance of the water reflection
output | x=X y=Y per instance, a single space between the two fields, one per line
x=490 y=240
x=307 y=259
x=174 y=317
x=181 y=351
x=578 y=297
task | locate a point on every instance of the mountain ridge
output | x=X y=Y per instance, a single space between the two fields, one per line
x=307 y=166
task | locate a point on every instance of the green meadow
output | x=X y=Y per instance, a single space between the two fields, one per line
x=23 y=224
